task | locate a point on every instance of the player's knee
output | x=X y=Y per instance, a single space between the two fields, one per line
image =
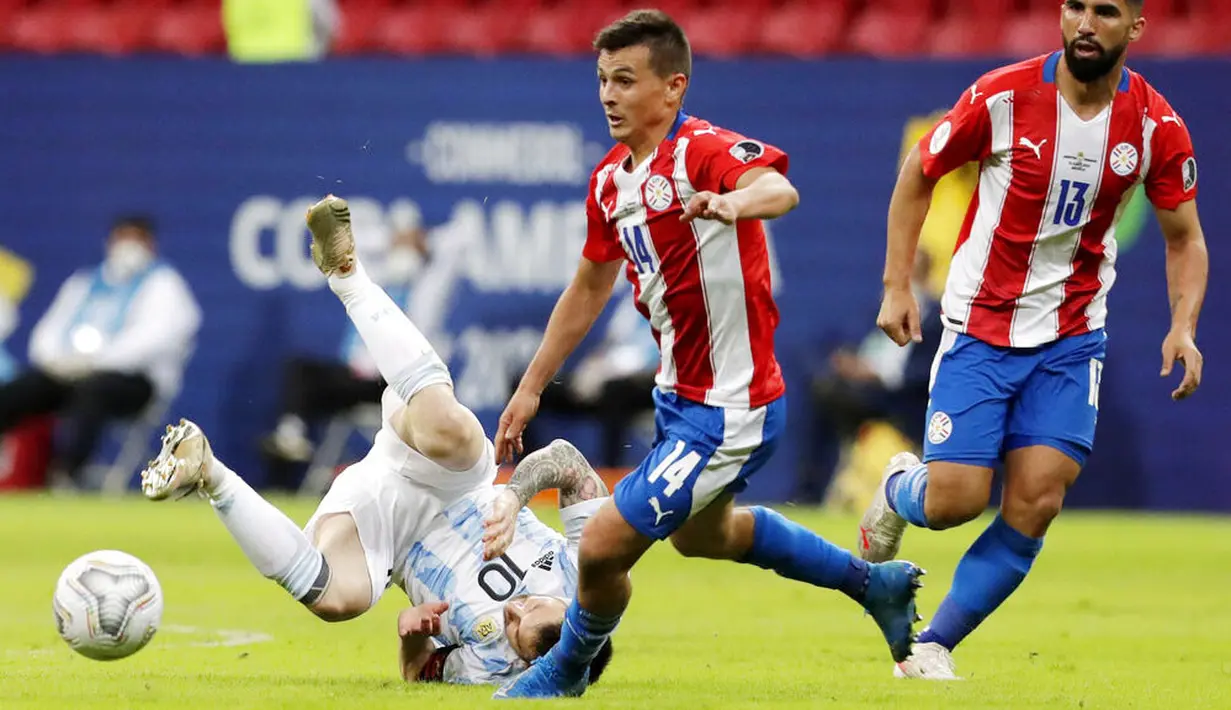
x=345 y=596
x=955 y=496
x=339 y=607
x=446 y=434
x=593 y=564
x=949 y=512
x=721 y=542
x=602 y=555
x=1033 y=511
x=691 y=546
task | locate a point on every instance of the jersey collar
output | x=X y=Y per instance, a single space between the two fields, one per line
x=680 y=118
x=1049 y=71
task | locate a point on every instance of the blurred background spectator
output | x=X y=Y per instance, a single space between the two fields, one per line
x=114 y=341
x=873 y=381
x=279 y=30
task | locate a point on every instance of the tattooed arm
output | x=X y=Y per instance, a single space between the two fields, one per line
x=559 y=465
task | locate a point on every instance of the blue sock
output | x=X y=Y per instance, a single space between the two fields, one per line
x=797 y=553
x=906 y=491
x=581 y=636
x=988 y=573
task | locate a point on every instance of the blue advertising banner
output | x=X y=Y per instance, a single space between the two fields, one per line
x=493 y=157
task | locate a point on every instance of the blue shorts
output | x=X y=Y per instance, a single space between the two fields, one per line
x=988 y=400
x=699 y=453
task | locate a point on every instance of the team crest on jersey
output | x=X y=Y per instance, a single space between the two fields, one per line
x=658 y=193
x=1123 y=159
x=940 y=137
x=1190 y=173
x=940 y=428
x=747 y=151
x=485 y=628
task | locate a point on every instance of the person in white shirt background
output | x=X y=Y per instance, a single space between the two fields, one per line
x=115 y=339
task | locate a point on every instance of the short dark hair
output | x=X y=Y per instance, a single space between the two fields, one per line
x=668 y=45
x=141 y=222
x=550 y=636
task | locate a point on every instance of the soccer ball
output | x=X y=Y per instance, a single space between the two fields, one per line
x=108 y=605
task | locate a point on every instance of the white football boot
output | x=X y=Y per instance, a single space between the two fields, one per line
x=182 y=466
x=927 y=661
x=333 y=243
x=880 y=531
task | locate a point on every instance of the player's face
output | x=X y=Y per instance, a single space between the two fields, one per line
x=634 y=97
x=526 y=616
x=1096 y=33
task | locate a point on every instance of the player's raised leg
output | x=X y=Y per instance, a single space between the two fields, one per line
x=433 y=423
x=937 y=495
x=972 y=385
x=329 y=575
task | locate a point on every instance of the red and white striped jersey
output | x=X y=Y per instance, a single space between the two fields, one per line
x=703 y=286
x=1036 y=254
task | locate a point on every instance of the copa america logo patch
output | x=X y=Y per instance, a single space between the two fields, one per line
x=940 y=137
x=940 y=428
x=747 y=150
x=1123 y=159
x=658 y=193
x=1190 y=173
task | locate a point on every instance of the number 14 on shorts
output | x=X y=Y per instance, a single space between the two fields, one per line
x=675 y=468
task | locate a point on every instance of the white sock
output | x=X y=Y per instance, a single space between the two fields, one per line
x=274 y=544
x=404 y=357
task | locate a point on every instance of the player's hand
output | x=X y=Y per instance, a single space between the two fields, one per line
x=709 y=205
x=899 y=316
x=422 y=620
x=520 y=410
x=1179 y=346
x=500 y=525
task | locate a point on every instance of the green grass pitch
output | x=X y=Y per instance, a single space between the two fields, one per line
x=1119 y=612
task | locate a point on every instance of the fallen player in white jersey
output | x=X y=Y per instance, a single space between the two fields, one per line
x=410 y=513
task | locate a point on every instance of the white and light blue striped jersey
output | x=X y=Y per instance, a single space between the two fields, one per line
x=447 y=565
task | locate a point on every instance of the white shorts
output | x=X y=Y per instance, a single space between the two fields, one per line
x=393 y=494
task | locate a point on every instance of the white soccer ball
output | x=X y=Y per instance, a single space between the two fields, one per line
x=108 y=605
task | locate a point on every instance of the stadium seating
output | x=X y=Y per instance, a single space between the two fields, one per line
x=718 y=28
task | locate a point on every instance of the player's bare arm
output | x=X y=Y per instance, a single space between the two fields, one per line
x=416 y=627
x=575 y=312
x=558 y=465
x=561 y=466
x=1188 y=266
x=760 y=193
x=908 y=208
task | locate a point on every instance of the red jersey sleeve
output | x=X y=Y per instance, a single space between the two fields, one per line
x=963 y=135
x=717 y=158
x=601 y=243
x=1172 y=177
